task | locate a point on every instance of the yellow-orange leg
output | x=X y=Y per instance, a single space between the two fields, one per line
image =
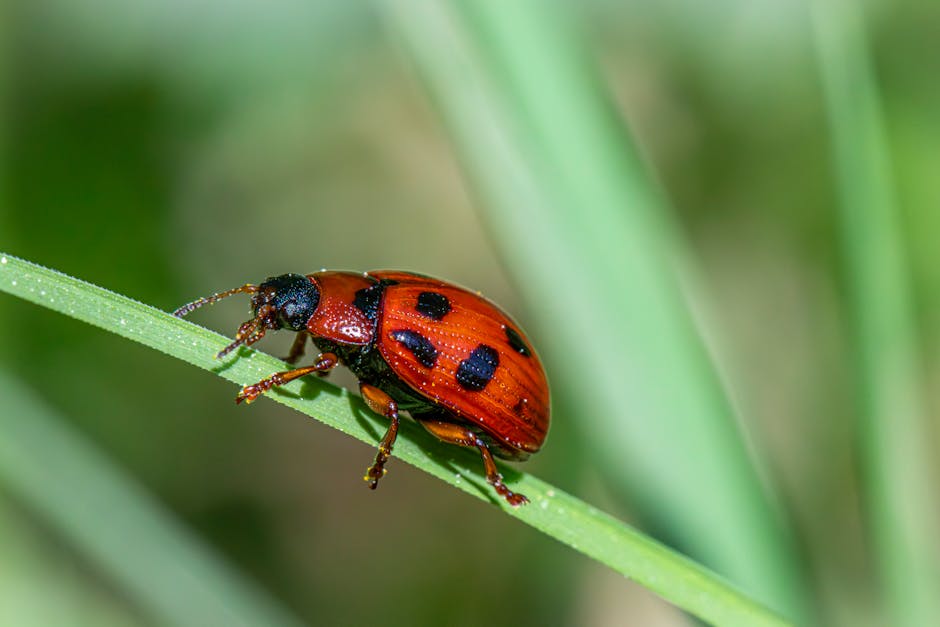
x=460 y=435
x=297 y=349
x=381 y=403
x=325 y=362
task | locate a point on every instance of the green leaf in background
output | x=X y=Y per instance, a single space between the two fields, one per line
x=560 y=515
x=160 y=565
x=593 y=247
x=901 y=497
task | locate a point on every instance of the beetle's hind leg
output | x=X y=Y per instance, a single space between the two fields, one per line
x=381 y=403
x=455 y=433
x=325 y=362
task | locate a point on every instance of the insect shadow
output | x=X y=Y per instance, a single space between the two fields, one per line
x=311 y=386
x=223 y=365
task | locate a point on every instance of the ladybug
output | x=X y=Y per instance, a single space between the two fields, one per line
x=452 y=359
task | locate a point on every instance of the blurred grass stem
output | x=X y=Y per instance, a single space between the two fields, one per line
x=143 y=550
x=901 y=505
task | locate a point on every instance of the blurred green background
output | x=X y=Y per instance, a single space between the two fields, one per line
x=170 y=150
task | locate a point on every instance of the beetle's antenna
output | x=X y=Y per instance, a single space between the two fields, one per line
x=196 y=304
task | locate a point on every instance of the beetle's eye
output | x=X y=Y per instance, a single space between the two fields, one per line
x=293 y=315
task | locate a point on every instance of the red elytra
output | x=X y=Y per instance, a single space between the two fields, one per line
x=452 y=359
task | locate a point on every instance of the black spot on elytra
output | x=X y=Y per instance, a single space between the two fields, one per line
x=433 y=305
x=418 y=345
x=517 y=343
x=474 y=372
x=368 y=298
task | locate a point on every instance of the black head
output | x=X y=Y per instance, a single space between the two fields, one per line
x=281 y=302
x=285 y=302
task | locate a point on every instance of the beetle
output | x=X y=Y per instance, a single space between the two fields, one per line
x=459 y=365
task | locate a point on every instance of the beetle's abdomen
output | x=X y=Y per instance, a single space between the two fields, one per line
x=464 y=354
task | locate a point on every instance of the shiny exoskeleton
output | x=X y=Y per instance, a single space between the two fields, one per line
x=452 y=359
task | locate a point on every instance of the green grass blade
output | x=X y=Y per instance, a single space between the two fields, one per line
x=595 y=251
x=162 y=568
x=569 y=520
x=902 y=506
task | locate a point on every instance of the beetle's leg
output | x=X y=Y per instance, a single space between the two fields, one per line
x=454 y=433
x=325 y=362
x=297 y=348
x=381 y=403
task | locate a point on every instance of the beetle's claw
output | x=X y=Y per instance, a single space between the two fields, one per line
x=517 y=500
x=246 y=395
x=513 y=498
x=373 y=474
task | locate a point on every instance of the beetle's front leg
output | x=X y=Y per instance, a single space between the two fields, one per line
x=381 y=403
x=324 y=363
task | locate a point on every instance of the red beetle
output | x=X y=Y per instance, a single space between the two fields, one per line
x=452 y=359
